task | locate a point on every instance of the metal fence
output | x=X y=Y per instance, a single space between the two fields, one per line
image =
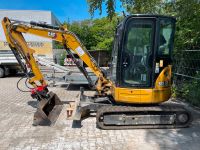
x=187 y=76
x=102 y=57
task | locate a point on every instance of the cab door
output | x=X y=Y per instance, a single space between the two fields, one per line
x=138 y=53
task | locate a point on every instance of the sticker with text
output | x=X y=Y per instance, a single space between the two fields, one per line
x=80 y=51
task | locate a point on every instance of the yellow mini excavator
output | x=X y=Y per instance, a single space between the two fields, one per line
x=131 y=94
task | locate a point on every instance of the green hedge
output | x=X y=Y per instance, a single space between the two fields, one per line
x=188 y=90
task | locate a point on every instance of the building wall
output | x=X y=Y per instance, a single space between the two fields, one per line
x=42 y=46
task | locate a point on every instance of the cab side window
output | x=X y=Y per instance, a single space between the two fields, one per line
x=165 y=38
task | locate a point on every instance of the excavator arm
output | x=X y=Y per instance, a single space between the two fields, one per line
x=14 y=31
x=68 y=39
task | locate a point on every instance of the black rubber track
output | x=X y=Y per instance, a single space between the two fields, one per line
x=166 y=108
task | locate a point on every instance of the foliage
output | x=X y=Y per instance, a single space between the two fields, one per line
x=147 y=6
x=97 y=5
x=188 y=24
x=98 y=33
x=187 y=13
x=57 y=45
x=189 y=91
x=131 y=6
x=62 y=58
x=83 y=31
x=95 y=34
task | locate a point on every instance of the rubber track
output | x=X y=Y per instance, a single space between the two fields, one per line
x=175 y=108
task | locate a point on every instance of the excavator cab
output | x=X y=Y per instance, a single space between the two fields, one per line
x=142 y=49
x=140 y=42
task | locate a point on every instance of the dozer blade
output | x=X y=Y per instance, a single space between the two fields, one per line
x=48 y=110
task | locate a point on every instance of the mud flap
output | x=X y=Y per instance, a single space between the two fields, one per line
x=48 y=110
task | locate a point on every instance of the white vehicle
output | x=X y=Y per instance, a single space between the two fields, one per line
x=42 y=46
x=8 y=63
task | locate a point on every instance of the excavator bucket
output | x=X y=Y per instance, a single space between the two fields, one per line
x=48 y=110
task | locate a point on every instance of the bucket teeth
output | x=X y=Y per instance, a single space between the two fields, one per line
x=48 y=110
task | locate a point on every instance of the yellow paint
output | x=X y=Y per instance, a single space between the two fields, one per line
x=157 y=94
x=18 y=43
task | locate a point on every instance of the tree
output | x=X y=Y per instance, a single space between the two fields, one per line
x=103 y=30
x=97 y=5
x=188 y=24
x=131 y=6
x=83 y=30
x=187 y=13
x=95 y=34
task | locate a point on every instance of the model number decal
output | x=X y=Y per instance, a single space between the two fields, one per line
x=165 y=83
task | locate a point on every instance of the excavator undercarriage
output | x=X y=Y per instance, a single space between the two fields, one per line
x=113 y=116
x=127 y=117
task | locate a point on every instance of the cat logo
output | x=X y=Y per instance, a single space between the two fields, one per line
x=52 y=35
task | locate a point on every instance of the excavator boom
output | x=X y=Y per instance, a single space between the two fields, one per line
x=49 y=105
x=69 y=40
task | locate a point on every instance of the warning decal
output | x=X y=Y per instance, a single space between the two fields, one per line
x=80 y=51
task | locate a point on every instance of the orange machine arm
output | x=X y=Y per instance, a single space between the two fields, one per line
x=13 y=30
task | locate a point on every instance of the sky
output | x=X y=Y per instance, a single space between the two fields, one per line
x=64 y=10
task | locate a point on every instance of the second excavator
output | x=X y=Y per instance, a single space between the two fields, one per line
x=131 y=95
